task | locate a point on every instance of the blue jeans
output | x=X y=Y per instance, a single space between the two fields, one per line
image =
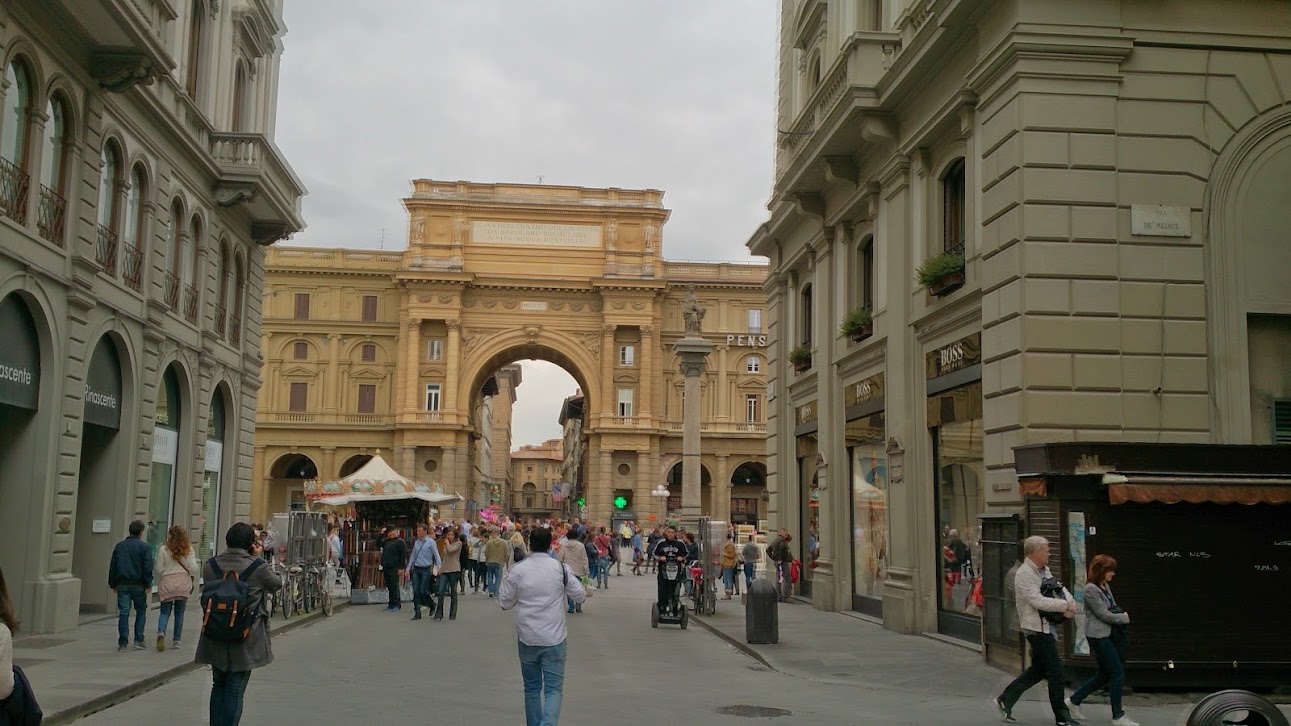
x=127 y=595
x=447 y=585
x=728 y=578
x=748 y=573
x=421 y=589
x=1110 y=672
x=493 y=577
x=543 y=669
x=1046 y=665
x=227 y=691
x=603 y=571
x=178 y=607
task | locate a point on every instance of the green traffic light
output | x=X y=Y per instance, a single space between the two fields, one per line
x=620 y=502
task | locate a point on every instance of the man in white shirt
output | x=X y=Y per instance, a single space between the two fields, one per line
x=537 y=587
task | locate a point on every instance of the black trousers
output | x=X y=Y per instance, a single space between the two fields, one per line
x=392 y=586
x=1045 y=666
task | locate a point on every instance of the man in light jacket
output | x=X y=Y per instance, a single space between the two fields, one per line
x=1040 y=633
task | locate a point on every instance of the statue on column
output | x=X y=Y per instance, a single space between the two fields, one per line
x=693 y=313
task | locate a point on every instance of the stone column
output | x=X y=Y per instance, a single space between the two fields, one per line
x=723 y=394
x=722 y=489
x=412 y=359
x=642 y=502
x=451 y=382
x=333 y=401
x=599 y=492
x=607 y=372
x=260 y=485
x=647 y=374
x=327 y=472
x=408 y=462
x=693 y=352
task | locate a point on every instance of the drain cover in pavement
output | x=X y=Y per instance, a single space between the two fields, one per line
x=753 y=711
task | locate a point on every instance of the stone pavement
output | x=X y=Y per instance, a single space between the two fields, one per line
x=79 y=671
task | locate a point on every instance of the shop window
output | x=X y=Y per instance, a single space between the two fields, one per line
x=753 y=408
x=367 y=398
x=755 y=321
x=369 y=354
x=432 y=396
x=867 y=460
x=753 y=364
x=627 y=354
x=299 y=396
x=302 y=306
x=369 y=308
x=300 y=350
x=625 y=402
x=959 y=500
x=952 y=207
x=435 y=349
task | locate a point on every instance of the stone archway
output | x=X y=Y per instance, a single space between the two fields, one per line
x=287 y=479
x=353 y=464
x=748 y=493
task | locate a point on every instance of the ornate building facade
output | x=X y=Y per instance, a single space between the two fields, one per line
x=1045 y=227
x=536 y=473
x=139 y=186
x=494 y=274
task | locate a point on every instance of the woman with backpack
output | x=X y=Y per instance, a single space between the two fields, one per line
x=174 y=574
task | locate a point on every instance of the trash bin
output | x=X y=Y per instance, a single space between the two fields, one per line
x=761 y=616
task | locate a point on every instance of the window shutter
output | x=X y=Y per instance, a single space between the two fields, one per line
x=369 y=308
x=369 y=353
x=367 y=398
x=299 y=396
x=1282 y=422
x=302 y=306
x=300 y=351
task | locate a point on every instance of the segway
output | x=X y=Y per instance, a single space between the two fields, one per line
x=676 y=613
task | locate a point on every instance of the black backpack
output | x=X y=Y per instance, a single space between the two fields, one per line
x=227 y=612
x=1051 y=587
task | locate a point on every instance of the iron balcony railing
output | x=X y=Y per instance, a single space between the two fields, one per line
x=190 y=304
x=172 y=291
x=132 y=266
x=220 y=313
x=235 y=331
x=51 y=215
x=13 y=191
x=105 y=252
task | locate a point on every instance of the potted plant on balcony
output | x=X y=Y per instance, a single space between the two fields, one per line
x=858 y=324
x=942 y=274
x=800 y=357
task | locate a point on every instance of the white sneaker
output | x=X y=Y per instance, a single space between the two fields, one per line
x=1124 y=721
x=1074 y=710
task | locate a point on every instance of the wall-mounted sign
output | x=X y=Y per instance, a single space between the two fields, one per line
x=805 y=414
x=958 y=355
x=101 y=526
x=1160 y=220
x=103 y=386
x=860 y=392
x=534 y=234
x=746 y=341
x=535 y=306
x=19 y=356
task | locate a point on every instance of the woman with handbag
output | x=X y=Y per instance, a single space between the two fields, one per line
x=1105 y=625
x=174 y=572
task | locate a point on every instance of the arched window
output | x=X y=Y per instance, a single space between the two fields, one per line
x=239 y=299
x=196 y=38
x=192 y=241
x=240 y=98
x=174 y=244
x=53 y=172
x=952 y=207
x=109 y=211
x=226 y=280
x=15 y=124
x=132 y=231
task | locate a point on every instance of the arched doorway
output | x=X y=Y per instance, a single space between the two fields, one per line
x=21 y=421
x=287 y=482
x=674 y=491
x=208 y=543
x=165 y=457
x=748 y=493
x=353 y=464
x=99 y=519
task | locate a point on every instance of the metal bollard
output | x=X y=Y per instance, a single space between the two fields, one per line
x=761 y=613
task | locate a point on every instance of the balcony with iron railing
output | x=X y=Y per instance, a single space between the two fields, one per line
x=105 y=251
x=235 y=331
x=190 y=304
x=172 y=291
x=220 y=314
x=51 y=216
x=14 y=183
x=132 y=266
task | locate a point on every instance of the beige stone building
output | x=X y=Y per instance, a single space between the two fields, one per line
x=535 y=472
x=396 y=351
x=1108 y=184
x=139 y=185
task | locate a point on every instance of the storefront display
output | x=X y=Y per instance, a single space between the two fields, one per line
x=808 y=455
x=865 y=435
x=165 y=448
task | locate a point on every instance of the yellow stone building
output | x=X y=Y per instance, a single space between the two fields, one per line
x=398 y=352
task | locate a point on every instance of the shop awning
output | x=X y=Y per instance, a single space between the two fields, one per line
x=375 y=481
x=344 y=499
x=1145 y=488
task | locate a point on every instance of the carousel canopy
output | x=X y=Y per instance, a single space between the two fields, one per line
x=373 y=482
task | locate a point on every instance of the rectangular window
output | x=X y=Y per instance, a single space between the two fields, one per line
x=755 y=321
x=625 y=401
x=299 y=396
x=302 y=306
x=806 y=319
x=753 y=364
x=432 y=396
x=367 y=398
x=753 y=408
x=369 y=353
x=627 y=353
x=952 y=208
x=435 y=349
x=369 y=308
x=867 y=274
x=300 y=351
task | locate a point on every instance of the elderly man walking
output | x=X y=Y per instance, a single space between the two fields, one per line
x=535 y=587
x=1040 y=632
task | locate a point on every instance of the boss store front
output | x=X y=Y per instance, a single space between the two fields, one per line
x=806 y=434
x=954 y=388
x=865 y=434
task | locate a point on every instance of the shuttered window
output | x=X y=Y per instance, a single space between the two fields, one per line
x=369 y=353
x=367 y=398
x=1282 y=422
x=302 y=306
x=369 y=308
x=299 y=396
x=300 y=351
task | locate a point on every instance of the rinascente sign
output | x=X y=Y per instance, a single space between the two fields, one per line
x=19 y=357
x=103 y=387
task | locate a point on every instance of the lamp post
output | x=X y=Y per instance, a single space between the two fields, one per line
x=661 y=495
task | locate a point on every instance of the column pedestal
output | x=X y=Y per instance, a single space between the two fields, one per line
x=693 y=352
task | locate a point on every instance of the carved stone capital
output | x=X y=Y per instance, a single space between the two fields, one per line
x=119 y=69
x=414 y=323
x=608 y=329
x=693 y=367
x=453 y=324
x=647 y=331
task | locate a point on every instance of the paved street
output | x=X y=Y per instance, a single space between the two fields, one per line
x=367 y=666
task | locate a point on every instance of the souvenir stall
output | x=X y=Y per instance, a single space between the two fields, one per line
x=370 y=499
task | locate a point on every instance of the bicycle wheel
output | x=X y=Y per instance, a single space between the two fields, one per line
x=288 y=597
x=306 y=596
x=328 y=606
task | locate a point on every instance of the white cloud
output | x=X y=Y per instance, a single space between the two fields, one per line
x=543 y=389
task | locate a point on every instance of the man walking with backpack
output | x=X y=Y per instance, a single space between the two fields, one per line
x=235 y=630
x=130 y=577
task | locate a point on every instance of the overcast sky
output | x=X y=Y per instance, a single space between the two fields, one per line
x=675 y=95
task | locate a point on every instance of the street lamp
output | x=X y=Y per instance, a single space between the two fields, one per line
x=661 y=495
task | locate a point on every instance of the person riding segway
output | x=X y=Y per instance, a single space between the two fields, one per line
x=670 y=553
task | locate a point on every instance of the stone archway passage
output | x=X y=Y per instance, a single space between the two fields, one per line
x=748 y=493
x=99 y=521
x=287 y=479
x=353 y=464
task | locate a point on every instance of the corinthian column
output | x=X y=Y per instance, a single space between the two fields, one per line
x=412 y=374
x=647 y=373
x=607 y=372
x=454 y=367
